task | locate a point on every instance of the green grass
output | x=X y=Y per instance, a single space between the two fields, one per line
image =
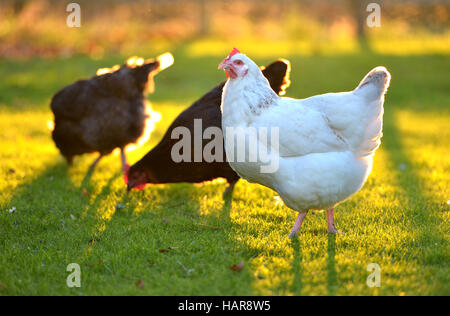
x=400 y=219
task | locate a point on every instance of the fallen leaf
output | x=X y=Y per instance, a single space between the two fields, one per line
x=94 y=265
x=238 y=267
x=140 y=284
x=164 y=250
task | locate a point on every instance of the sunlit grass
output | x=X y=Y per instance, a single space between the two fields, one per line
x=399 y=220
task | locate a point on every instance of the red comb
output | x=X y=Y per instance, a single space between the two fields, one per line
x=233 y=52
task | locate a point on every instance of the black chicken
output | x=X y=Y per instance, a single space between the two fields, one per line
x=157 y=166
x=105 y=112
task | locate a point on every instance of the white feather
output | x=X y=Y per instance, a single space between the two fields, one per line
x=326 y=142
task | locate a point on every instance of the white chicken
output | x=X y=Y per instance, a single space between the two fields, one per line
x=325 y=143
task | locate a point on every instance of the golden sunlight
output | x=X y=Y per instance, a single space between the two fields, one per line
x=50 y=125
x=152 y=118
x=135 y=61
x=102 y=71
x=165 y=60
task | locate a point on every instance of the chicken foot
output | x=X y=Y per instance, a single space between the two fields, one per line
x=297 y=225
x=330 y=219
x=301 y=216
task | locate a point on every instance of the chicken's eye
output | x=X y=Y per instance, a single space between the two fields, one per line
x=238 y=62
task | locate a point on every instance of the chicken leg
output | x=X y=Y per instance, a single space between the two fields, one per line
x=125 y=165
x=229 y=190
x=94 y=164
x=297 y=225
x=330 y=219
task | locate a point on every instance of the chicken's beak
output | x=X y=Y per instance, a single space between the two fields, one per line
x=224 y=64
x=137 y=184
x=130 y=185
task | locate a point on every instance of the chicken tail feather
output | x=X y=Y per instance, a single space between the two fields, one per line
x=372 y=88
x=375 y=84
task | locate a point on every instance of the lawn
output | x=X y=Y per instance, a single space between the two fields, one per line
x=182 y=239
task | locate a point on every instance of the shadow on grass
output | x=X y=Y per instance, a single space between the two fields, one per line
x=47 y=230
x=53 y=197
x=94 y=208
x=49 y=189
x=297 y=268
x=167 y=223
x=331 y=265
x=88 y=229
x=420 y=208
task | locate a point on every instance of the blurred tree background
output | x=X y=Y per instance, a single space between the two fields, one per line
x=38 y=27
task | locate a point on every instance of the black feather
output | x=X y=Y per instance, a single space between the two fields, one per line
x=157 y=166
x=101 y=113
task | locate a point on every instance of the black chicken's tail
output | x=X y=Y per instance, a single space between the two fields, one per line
x=278 y=75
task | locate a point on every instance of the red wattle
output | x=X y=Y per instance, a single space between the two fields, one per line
x=125 y=173
x=140 y=187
